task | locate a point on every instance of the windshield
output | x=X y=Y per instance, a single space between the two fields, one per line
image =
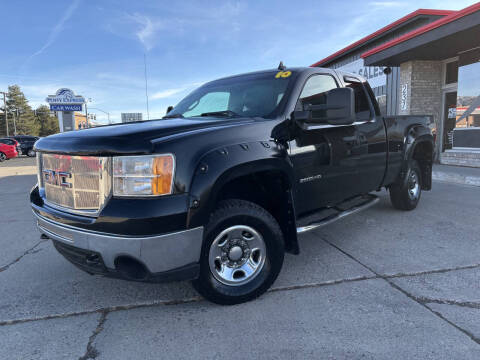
x=251 y=95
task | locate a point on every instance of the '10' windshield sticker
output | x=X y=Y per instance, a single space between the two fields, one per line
x=283 y=74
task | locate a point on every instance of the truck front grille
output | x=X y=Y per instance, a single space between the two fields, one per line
x=75 y=182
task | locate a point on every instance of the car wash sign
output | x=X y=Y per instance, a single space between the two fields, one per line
x=374 y=74
x=65 y=100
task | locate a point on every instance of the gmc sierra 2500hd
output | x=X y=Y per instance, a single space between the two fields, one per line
x=220 y=188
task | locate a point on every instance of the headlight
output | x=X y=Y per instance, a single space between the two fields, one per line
x=146 y=175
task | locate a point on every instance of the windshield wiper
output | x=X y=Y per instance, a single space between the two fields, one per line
x=226 y=113
x=173 y=116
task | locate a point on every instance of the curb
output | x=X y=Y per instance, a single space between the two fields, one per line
x=456 y=178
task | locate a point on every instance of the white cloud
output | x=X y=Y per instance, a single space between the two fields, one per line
x=167 y=93
x=171 y=92
x=57 y=29
x=147 y=30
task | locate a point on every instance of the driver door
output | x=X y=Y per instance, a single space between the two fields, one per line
x=322 y=157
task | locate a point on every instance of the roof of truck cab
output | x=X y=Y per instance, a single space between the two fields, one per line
x=293 y=69
x=342 y=73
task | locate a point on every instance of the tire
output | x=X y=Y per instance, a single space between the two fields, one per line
x=3 y=157
x=239 y=236
x=31 y=153
x=405 y=194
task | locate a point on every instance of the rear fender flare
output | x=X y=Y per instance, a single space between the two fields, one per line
x=417 y=135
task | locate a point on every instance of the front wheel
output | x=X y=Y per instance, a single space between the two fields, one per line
x=405 y=194
x=3 y=157
x=242 y=253
x=31 y=153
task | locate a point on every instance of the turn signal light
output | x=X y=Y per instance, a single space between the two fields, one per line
x=163 y=171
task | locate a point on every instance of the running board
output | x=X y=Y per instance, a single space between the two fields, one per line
x=370 y=200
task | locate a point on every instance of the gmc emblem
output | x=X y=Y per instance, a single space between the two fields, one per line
x=59 y=178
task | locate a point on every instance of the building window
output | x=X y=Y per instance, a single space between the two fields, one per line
x=451 y=73
x=469 y=93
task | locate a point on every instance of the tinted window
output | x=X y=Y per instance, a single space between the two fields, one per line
x=7 y=141
x=374 y=100
x=25 y=139
x=315 y=89
x=451 y=72
x=362 y=106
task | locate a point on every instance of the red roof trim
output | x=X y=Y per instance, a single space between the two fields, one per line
x=440 y=22
x=385 y=29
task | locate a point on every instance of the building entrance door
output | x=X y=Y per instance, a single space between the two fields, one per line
x=450 y=118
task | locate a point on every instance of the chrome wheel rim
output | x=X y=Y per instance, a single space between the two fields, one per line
x=3 y=157
x=237 y=255
x=413 y=186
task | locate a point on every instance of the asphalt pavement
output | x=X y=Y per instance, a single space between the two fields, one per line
x=378 y=284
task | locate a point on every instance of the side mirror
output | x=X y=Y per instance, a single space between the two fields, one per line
x=170 y=108
x=339 y=109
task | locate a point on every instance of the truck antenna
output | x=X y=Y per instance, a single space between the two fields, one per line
x=281 y=67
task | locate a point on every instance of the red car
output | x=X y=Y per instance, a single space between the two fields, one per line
x=7 y=151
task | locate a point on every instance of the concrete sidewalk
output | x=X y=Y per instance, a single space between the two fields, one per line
x=456 y=174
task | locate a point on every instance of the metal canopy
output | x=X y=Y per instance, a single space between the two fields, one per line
x=443 y=42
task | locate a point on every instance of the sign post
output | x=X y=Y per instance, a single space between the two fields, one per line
x=65 y=102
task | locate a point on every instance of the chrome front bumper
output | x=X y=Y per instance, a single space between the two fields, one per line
x=160 y=253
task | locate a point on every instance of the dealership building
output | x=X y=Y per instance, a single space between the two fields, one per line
x=426 y=63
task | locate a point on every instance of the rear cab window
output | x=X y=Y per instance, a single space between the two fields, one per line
x=364 y=99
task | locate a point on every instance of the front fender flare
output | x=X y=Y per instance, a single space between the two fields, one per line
x=219 y=166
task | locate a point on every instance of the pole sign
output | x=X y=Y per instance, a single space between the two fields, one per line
x=65 y=97
x=65 y=102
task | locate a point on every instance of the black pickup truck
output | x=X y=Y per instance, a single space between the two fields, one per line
x=219 y=189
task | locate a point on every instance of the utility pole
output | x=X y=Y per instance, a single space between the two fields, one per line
x=15 y=123
x=146 y=83
x=5 y=108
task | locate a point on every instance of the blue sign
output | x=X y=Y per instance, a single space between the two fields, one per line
x=66 y=107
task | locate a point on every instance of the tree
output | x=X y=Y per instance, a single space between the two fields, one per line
x=47 y=123
x=20 y=113
x=40 y=122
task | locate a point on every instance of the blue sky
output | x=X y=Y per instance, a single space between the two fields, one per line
x=96 y=48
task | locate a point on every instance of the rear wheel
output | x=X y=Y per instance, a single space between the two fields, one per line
x=405 y=194
x=31 y=153
x=242 y=253
x=3 y=157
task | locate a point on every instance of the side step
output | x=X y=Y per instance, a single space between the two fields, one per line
x=367 y=201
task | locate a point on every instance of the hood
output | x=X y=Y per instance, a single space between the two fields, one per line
x=131 y=138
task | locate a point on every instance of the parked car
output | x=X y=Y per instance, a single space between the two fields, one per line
x=218 y=190
x=10 y=141
x=8 y=149
x=26 y=144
